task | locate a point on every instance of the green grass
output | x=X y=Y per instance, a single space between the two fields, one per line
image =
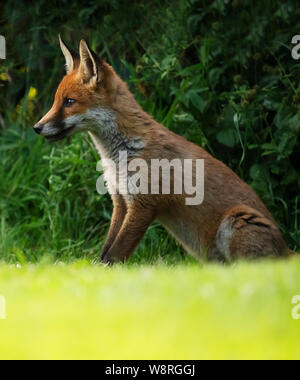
x=83 y=311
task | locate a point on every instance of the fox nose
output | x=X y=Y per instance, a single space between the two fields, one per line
x=38 y=128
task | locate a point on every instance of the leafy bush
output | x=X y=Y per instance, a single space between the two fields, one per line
x=218 y=72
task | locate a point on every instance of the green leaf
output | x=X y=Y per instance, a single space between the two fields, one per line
x=228 y=137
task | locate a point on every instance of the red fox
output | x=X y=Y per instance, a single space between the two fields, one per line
x=230 y=223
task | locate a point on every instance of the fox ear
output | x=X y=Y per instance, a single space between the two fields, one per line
x=72 y=58
x=89 y=64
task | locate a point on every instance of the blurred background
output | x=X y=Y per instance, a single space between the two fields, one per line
x=218 y=72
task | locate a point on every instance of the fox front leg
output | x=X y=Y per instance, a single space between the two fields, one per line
x=136 y=223
x=117 y=219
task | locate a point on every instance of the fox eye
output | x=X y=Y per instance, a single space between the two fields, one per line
x=68 y=102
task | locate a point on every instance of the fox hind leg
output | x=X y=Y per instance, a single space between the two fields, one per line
x=246 y=233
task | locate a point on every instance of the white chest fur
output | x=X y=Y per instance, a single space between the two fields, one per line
x=110 y=141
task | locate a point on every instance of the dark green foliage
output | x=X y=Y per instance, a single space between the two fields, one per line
x=218 y=72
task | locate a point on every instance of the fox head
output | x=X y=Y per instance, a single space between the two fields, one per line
x=90 y=84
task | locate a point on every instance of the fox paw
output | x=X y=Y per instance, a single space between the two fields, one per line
x=106 y=258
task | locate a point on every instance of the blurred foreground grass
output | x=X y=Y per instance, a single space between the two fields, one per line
x=82 y=311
